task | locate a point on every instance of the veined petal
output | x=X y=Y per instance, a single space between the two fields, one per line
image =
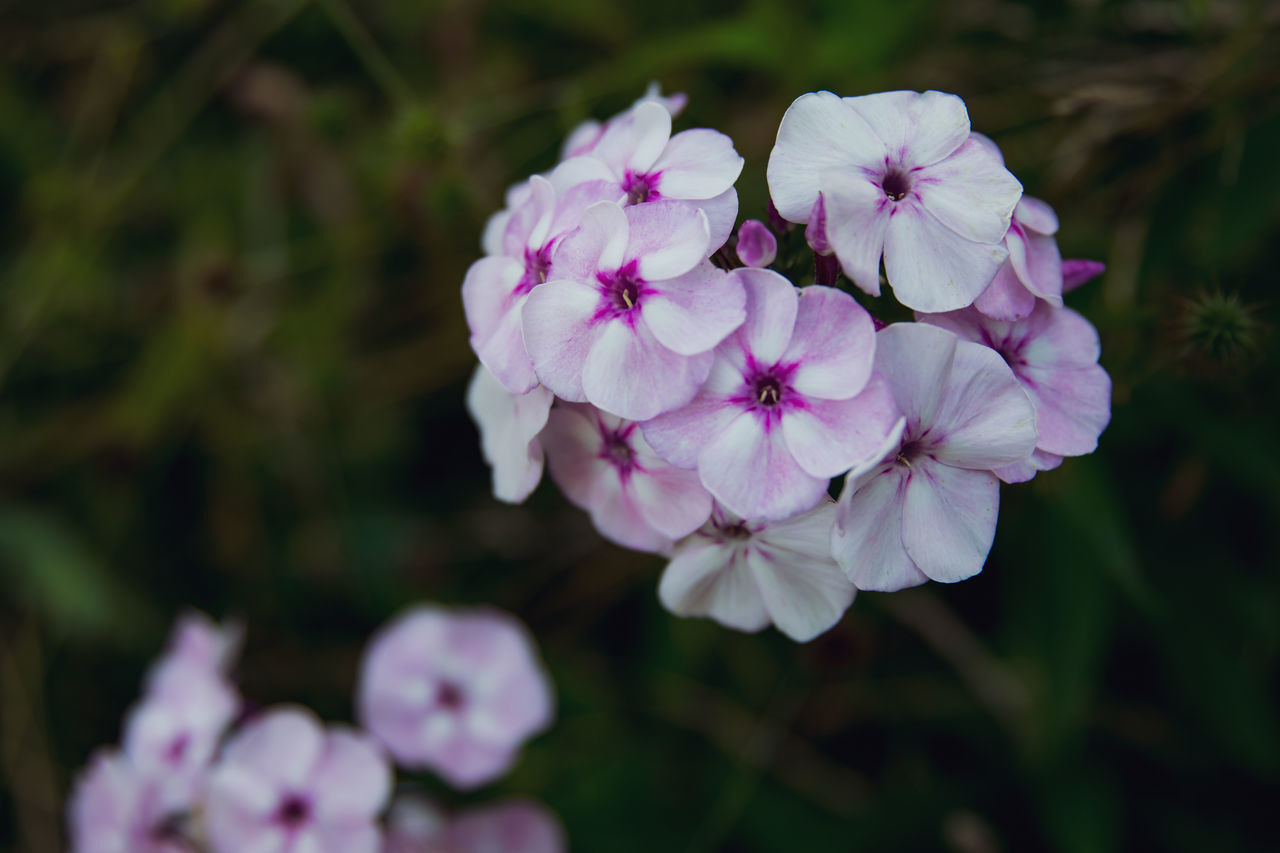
x=696 y=311
x=804 y=596
x=949 y=519
x=915 y=360
x=679 y=436
x=970 y=192
x=672 y=501
x=633 y=142
x=697 y=164
x=918 y=128
x=867 y=538
x=559 y=332
x=667 y=239
x=828 y=437
x=598 y=244
x=750 y=470
x=818 y=133
x=712 y=579
x=833 y=343
x=985 y=418
x=629 y=373
x=772 y=306
x=931 y=267
x=857 y=221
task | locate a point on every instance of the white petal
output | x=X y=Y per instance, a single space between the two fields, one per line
x=772 y=305
x=833 y=343
x=915 y=359
x=667 y=239
x=697 y=164
x=867 y=538
x=508 y=425
x=917 y=128
x=985 y=418
x=751 y=471
x=828 y=437
x=931 y=267
x=949 y=519
x=970 y=192
x=857 y=220
x=559 y=332
x=632 y=142
x=629 y=373
x=695 y=312
x=679 y=436
x=712 y=579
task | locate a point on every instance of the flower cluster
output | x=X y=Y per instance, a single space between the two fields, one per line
x=454 y=692
x=681 y=388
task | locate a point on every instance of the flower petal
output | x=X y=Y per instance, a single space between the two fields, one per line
x=931 y=267
x=772 y=306
x=1036 y=260
x=833 y=343
x=352 y=780
x=985 y=418
x=573 y=443
x=712 y=579
x=616 y=516
x=696 y=311
x=282 y=745
x=970 y=192
x=633 y=141
x=1021 y=472
x=1036 y=215
x=671 y=500
x=678 y=436
x=915 y=360
x=1006 y=298
x=667 y=239
x=857 y=221
x=828 y=437
x=630 y=374
x=949 y=519
x=818 y=133
x=918 y=128
x=559 y=331
x=751 y=471
x=599 y=243
x=1077 y=271
x=803 y=588
x=508 y=426
x=867 y=538
x=722 y=213
x=697 y=164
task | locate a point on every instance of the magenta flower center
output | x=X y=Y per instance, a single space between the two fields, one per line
x=293 y=811
x=617 y=450
x=640 y=188
x=767 y=390
x=623 y=289
x=449 y=696
x=896 y=184
x=536 y=266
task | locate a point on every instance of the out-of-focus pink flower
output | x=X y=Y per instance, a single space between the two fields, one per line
x=509 y=425
x=757 y=247
x=928 y=510
x=790 y=403
x=510 y=826
x=456 y=692
x=749 y=574
x=633 y=310
x=583 y=138
x=496 y=286
x=899 y=177
x=1054 y=354
x=604 y=465
x=116 y=809
x=286 y=784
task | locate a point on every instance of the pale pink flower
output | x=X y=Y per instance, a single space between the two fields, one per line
x=750 y=574
x=583 y=138
x=286 y=784
x=757 y=247
x=509 y=826
x=509 y=425
x=1034 y=267
x=898 y=176
x=790 y=403
x=928 y=510
x=114 y=808
x=454 y=691
x=633 y=310
x=1054 y=354
x=603 y=465
x=496 y=286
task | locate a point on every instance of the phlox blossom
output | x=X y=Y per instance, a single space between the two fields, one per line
x=790 y=403
x=750 y=574
x=928 y=510
x=583 y=138
x=115 y=808
x=897 y=175
x=415 y=825
x=455 y=692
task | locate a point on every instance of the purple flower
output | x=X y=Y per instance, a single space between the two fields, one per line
x=790 y=403
x=899 y=177
x=749 y=574
x=1054 y=354
x=757 y=247
x=509 y=425
x=456 y=692
x=116 y=809
x=604 y=465
x=286 y=784
x=632 y=311
x=928 y=510
x=510 y=826
x=520 y=243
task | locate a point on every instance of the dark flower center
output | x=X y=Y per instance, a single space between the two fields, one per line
x=618 y=450
x=896 y=185
x=639 y=188
x=536 y=266
x=177 y=749
x=173 y=827
x=626 y=293
x=293 y=812
x=450 y=696
x=736 y=531
x=768 y=391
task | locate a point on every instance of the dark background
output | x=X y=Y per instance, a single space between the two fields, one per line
x=232 y=360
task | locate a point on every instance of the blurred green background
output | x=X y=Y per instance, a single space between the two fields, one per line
x=232 y=361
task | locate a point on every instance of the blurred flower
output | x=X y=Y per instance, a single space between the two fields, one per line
x=633 y=310
x=509 y=425
x=789 y=404
x=285 y=783
x=749 y=574
x=1054 y=354
x=456 y=692
x=510 y=826
x=604 y=465
x=757 y=247
x=114 y=808
x=928 y=510
x=898 y=175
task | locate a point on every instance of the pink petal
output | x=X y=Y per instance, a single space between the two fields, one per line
x=1021 y=472
x=697 y=164
x=915 y=360
x=352 y=780
x=508 y=425
x=671 y=500
x=828 y=437
x=693 y=313
x=833 y=342
x=721 y=213
x=1073 y=407
x=949 y=519
x=630 y=374
x=282 y=745
x=1036 y=215
x=857 y=222
x=819 y=133
x=530 y=223
x=512 y=826
x=750 y=470
x=598 y=244
x=667 y=239
x=867 y=538
x=971 y=193
x=711 y=579
x=757 y=247
x=985 y=419
x=931 y=267
x=1006 y=298
x=1076 y=272
x=1036 y=260
x=633 y=142
x=772 y=307
x=575 y=171
x=679 y=436
x=618 y=518
x=918 y=128
x=573 y=444
x=559 y=332
x=804 y=590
